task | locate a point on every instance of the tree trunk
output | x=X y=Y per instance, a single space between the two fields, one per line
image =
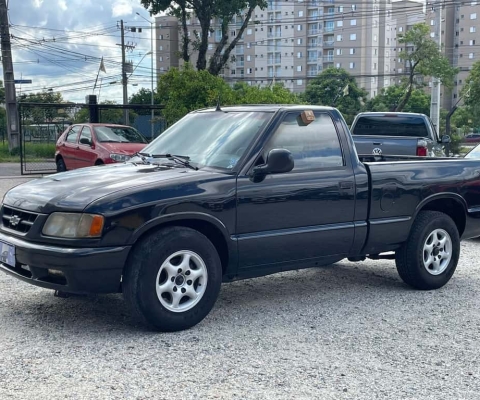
x=186 y=40
x=218 y=61
x=407 y=96
x=204 y=16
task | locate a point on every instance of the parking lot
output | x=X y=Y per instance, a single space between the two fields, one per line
x=347 y=331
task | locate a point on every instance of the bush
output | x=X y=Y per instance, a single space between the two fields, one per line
x=32 y=150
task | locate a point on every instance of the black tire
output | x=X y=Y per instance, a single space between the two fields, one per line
x=99 y=163
x=410 y=257
x=144 y=271
x=61 y=167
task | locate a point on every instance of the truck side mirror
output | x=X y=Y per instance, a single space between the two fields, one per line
x=446 y=139
x=278 y=161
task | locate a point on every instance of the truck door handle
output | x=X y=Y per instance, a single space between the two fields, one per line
x=345 y=185
x=377 y=143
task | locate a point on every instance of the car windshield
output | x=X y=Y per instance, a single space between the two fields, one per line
x=118 y=134
x=391 y=126
x=474 y=153
x=212 y=139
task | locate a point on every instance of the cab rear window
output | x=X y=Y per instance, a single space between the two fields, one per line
x=391 y=126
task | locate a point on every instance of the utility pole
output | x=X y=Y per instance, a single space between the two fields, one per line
x=124 y=75
x=436 y=86
x=13 y=128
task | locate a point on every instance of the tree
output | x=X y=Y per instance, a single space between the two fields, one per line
x=184 y=90
x=106 y=115
x=43 y=113
x=336 y=87
x=206 y=11
x=389 y=98
x=422 y=57
x=143 y=96
x=277 y=94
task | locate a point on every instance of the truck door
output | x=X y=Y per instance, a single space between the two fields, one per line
x=305 y=214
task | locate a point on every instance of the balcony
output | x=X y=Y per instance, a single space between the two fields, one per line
x=239 y=50
x=313 y=44
x=313 y=17
x=312 y=60
x=313 y=3
x=312 y=73
x=312 y=32
x=240 y=64
x=274 y=34
x=328 y=43
x=328 y=58
x=329 y=28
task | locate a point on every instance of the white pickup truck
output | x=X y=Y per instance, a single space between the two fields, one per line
x=397 y=133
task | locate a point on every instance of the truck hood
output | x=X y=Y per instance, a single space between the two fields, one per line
x=75 y=190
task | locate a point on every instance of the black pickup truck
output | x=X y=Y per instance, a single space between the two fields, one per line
x=235 y=193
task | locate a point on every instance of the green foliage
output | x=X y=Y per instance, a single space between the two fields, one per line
x=423 y=57
x=328 y=88
x=277 y=94
x=32 y=151
x=471 y=97
x=106 y=116
x=389 y=98
x=184 y=90
x=43 y=113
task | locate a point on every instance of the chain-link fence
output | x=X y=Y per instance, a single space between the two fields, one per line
x=42 y=124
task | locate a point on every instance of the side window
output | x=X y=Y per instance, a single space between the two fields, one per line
x=313 y=146
x=86 y=134
x=72 y=134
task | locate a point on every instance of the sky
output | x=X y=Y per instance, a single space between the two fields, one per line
x=58 y=44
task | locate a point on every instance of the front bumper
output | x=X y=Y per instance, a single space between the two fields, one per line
x=72 y=270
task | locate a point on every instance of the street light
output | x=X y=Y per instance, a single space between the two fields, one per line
x=151 y=51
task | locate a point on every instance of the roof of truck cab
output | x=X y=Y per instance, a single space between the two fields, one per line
x=382 y=113
x=267 y=108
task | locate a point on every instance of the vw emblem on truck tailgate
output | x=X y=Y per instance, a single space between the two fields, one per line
x=14 y=220
x=377 y=151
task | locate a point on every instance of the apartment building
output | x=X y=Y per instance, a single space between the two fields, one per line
x=291 y=41
x=460 y=26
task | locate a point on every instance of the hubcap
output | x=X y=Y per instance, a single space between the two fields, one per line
x=181 y=281
x=437 y=252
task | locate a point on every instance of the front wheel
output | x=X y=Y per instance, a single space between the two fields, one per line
x=172 y=279
x=61 y=167
x=428 y=259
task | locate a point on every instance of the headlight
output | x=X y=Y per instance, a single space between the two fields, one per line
x=119 y=157
x=69 y=225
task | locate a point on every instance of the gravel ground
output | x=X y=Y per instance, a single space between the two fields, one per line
x=349 y=331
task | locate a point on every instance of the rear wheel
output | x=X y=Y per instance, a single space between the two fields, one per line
x=172 y=279
x=61 y=167
x=429 y=257
x=99 y=162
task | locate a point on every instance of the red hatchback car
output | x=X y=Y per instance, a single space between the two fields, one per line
x=85 y=145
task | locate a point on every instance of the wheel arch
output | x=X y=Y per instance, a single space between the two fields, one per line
x=451 y=204
x=207 y=225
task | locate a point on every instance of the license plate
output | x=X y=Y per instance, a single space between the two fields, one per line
x=7 y=253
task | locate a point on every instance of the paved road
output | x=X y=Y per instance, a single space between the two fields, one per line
x=349 y=331
x=9 y=169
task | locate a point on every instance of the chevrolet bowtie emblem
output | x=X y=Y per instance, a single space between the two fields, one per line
x=14 y=220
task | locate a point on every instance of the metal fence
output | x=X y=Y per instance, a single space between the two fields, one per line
x=42 y=124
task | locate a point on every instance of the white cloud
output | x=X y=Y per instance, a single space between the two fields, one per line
x=122 y=8
x=63 y=5
x=58 y=44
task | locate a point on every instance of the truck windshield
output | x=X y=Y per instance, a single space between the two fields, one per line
x=213 y=139
x=391 y=126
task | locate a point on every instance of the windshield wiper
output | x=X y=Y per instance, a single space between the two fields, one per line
x=182 y=160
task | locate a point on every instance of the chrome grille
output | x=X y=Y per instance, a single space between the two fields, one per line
x=18 y=220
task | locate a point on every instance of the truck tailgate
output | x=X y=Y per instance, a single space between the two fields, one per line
x=391 y=145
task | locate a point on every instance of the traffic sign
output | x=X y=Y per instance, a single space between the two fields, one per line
x=22 y=80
